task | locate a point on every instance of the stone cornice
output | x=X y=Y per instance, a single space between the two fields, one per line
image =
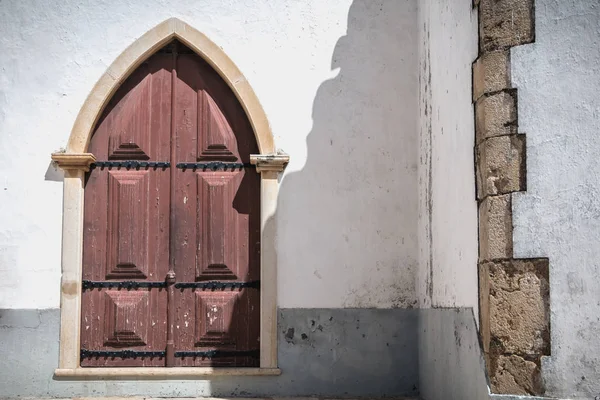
x=70 y=161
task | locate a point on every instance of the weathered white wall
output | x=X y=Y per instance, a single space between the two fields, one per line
x=559 y=216
x=338 y=81
x=451 y=364
x=448 y=41
x=348 y=217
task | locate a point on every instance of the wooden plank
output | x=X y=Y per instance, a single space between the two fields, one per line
x=126 y=216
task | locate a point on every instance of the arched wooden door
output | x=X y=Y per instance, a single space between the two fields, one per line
x=171 y=262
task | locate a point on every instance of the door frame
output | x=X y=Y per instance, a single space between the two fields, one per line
x=75 y=161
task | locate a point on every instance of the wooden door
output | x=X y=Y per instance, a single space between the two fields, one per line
x=172 y=195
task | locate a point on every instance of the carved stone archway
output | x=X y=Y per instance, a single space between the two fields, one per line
x=75 y=161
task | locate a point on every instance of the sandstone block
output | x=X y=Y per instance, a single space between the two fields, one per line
x=515 y=375
x=495 y=228
x=519 y=310
x=505 y=23
x=501 y=165
x=491 y=73
x=496 y=115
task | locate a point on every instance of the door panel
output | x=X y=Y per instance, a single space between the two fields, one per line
x=224 y=320
x=216 y=140
x=121 y=319
x=130 y=138
x=217 y=244
x=218 y=233
x=126 y=221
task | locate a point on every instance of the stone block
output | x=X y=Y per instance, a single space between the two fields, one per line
x=496 y=115
x=519 y=310
x=505 y=23
x=500 y=165
x=484 y=308
x=495 y=228
x=515 y=375
x=491 y=73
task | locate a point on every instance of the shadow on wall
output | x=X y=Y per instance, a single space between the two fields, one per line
x=347 y=222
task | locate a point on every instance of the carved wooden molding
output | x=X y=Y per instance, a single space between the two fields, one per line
x=68 y=161
x=270 y=162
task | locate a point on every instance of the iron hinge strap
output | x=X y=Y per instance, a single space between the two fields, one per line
x=131 y=164
x=126 y=354
x=214 y=165
x=211 y=285
x=119 y=354
x=218 y=353
x=218 y=285
x=121 y=284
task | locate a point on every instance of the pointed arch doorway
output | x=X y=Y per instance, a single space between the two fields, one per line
x=173 y=228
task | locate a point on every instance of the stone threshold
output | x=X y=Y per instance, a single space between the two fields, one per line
x=216 y=398
x=516 y=397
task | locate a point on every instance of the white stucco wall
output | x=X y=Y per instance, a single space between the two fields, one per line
x=338 y=81
x=448 y=42
x=559 y=216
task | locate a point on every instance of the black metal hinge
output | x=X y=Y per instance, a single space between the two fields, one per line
x=131 y=164
x=129 y=285
x=214 y=165
x=119 y=354
x=218 y=353
x=127 y=354
x=121 y=284
x=218 y=285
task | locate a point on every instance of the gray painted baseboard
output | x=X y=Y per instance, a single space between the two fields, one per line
x=451 y=363
x=322 y=352
x=512 y=397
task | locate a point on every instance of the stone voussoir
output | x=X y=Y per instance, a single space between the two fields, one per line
x=505 y=23
x=501 y=165
x=496 y=115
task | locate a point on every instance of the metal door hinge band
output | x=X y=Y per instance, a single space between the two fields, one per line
x=121 y=284
x=214 y=165
x=120 y=354
x=131 y=164
x=129 y=285
x=218 y=285
x=217 y=353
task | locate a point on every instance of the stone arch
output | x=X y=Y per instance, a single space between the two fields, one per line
x=143 y=48
x=75 y=161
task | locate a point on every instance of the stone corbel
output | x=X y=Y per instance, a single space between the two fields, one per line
x=270 y=162
x=73 y=161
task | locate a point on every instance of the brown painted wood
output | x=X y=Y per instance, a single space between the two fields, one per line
x=187 y=225
x=217 y=215
x=171 y=275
